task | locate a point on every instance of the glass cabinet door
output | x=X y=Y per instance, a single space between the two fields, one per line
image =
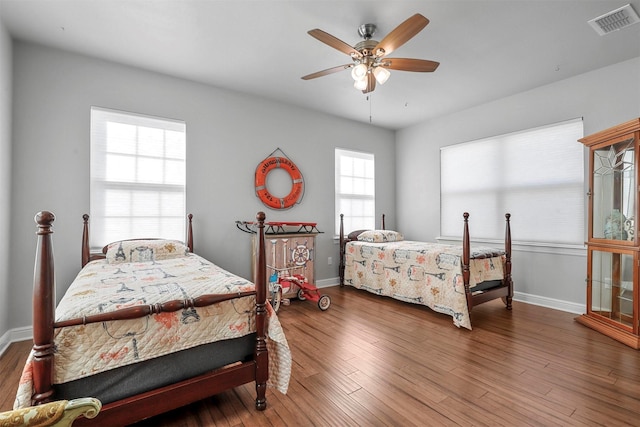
x=613 y=248
x=614 y=191
x=612 y=286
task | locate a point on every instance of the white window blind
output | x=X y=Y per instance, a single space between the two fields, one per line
x=355 y=190
x=536 y=175
x=138 y=177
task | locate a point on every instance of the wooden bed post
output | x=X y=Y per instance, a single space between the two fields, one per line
x=261 y=355
x=86 y=253
x=342 y=249
x=44 y=300
x=466 y=257
x=383 y=226
x=507 y=265
x=190 y=232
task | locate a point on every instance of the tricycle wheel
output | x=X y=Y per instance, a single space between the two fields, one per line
x=301 y=296
x=324 y=302
x=276 y=299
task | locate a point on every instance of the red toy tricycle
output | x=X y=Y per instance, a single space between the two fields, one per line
x=282 y=281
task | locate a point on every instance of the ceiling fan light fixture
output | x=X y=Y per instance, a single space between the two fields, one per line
x=381 y=74
x=370 y=65
x=360 y=84
x=359 y=72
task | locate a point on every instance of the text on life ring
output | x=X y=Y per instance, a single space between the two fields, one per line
x=297 y=189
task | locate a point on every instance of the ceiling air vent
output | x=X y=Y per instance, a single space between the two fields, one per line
x=615 y=20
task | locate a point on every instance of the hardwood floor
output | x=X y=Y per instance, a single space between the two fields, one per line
x=372 y=361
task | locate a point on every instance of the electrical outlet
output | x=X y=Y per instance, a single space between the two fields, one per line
x=329 y=260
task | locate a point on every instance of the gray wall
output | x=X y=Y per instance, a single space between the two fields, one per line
x=5 y=178
x=603 y=98
x=228 y=134
x=45 y=133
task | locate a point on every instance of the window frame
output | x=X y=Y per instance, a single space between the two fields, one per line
x=135 y=219
x=369 y=223
x=516 y=185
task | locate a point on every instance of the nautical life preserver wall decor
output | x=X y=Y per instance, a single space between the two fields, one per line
x=297 y=188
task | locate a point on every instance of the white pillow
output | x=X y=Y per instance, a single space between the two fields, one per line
x=380 y=236
x=144 y=250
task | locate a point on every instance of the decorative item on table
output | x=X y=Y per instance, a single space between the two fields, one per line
x=614 y=226
x=630 y=228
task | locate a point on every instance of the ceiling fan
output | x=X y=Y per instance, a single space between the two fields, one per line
x=370 y=63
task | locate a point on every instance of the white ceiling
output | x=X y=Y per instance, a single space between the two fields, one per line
x=487 y=49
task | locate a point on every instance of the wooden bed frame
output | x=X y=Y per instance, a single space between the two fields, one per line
x=154 y=402
x=504 y=291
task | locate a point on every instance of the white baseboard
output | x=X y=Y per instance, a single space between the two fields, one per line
x=556 y=304
x=15 y=335
x=325 y=283
x=4 y=342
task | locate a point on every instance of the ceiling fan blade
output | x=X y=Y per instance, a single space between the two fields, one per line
x=406 y=64
x=371 y=83
x=334 y=42
x=402 y=34
x=327 y=71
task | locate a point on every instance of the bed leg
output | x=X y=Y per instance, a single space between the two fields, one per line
x=507 y=302
x=466 y=260
x=261 y=355
x=261 y=400
x=342 y=248
x=507 y=264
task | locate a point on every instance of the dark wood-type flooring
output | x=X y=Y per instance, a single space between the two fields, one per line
x=370 y=361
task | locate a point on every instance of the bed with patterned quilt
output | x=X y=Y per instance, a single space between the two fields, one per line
x=149 y=326
x=448 y=279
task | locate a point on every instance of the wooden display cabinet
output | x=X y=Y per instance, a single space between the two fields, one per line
x=613 y=247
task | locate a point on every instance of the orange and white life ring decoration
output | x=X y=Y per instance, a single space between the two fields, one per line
x=297 y=189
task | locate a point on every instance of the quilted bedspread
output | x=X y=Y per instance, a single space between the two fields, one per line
x=102 y=287
x=421 y=273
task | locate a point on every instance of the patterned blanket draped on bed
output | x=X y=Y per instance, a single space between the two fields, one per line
x=102 y=287
x=421 y=273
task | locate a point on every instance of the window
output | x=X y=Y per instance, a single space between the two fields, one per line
x=355 y=190
x=537 y=175
x=137 y=177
